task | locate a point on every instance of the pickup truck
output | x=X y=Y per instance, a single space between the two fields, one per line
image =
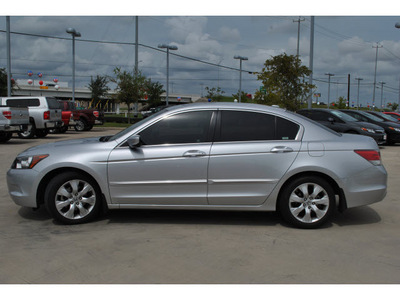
x=12 y=119
x=82 y=119
x=44 y=114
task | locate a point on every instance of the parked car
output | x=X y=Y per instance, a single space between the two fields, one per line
x=82 y=119
x=12 y=119
x=153 y=110
x=343 y=123
x=218 y=156
x=393 y=114
x=384 y=116
x=392 y=129
x=44 y=114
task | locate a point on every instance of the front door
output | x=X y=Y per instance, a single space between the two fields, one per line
x=170 y=168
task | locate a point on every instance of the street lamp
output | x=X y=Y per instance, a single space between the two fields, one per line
x=241 y=58
x=397 y=25
x=74 y=34
x=358 y=91
x=329 y=86
x=168 y=47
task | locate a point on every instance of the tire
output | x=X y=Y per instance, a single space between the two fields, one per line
x=307 y=202
x=41 y=133
x=63 y=129
x=80 y=125
x=73 y=198
x=5 y=136
x=89 y=127
x=29 y=133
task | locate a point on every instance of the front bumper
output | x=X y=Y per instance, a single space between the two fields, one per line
x=22 y=186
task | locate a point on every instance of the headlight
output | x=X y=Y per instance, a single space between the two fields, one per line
x=27 y=162
x=395 y=129
x=368 y=130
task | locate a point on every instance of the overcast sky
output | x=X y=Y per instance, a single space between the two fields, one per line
x=343 y=44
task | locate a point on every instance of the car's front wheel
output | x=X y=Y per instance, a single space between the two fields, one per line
x=73 y=198
x=307 y=202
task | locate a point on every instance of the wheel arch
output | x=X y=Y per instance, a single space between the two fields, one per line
x=342 y=205
x=46 y=179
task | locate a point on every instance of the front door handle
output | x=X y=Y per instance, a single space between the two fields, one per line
x=194 y=153
x=281 y=149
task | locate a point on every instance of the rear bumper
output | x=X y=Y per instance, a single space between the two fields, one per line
x=366 y=188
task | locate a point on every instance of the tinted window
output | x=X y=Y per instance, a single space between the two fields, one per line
x=249 y=126
x=286 y=130
x=53 y=103
x=190 y=127
x=22 y=102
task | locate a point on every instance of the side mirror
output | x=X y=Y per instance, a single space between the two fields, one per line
x=134 y=141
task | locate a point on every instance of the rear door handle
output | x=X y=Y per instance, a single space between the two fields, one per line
x=194 y=153
x=281 y=149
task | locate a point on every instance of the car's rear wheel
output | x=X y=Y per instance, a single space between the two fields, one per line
x=80 y=125
x=41 y=133
x=29 y=133
x=73 y=198
x=307 y=202
x=5 y=136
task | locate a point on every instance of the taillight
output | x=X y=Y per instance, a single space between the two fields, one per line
x=96 y=113
x=373 y=156
x=46 y=115
x=7 y=114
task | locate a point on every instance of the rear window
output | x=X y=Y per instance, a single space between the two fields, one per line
x=22 y=102
x=53 y=103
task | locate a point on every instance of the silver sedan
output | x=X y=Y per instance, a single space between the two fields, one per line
x=215 y=156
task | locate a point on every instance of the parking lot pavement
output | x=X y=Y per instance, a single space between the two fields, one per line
x=135 y=246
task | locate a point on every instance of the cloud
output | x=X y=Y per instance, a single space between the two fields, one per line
x=229 y=34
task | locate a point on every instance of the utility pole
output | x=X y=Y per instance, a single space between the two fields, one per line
x=382 y=83
x=329 y=86
x=298 y=33
x=310 y=81
x=348 y=88
x=376 y=64
x=136 y=55
x=358 y=92
x=8 y=57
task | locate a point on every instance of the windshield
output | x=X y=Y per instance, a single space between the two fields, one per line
x=130 y=128
x=389 y=117
x=371 y=116
x=343 y=116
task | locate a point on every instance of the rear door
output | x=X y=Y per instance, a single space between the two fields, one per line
x=251 y=152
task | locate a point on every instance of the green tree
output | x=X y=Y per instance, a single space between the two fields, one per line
x=3 y=83
x=393 y=106
x=99 y=89
x=243 y=98
x=283 y=79
x=215 y=94
x=130 y=87
x=154 y=91
x=341 y=103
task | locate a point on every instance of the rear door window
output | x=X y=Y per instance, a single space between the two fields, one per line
x=253 y=126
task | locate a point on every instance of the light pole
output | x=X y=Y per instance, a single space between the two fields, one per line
x=382 y=83
x=74 y=34
x=329 y=86
x=168 y=47
x=376 y=64
x=241 y=58
x=358 y=91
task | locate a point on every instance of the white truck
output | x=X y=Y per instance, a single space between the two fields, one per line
x=12 y=119
x=44 y=114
